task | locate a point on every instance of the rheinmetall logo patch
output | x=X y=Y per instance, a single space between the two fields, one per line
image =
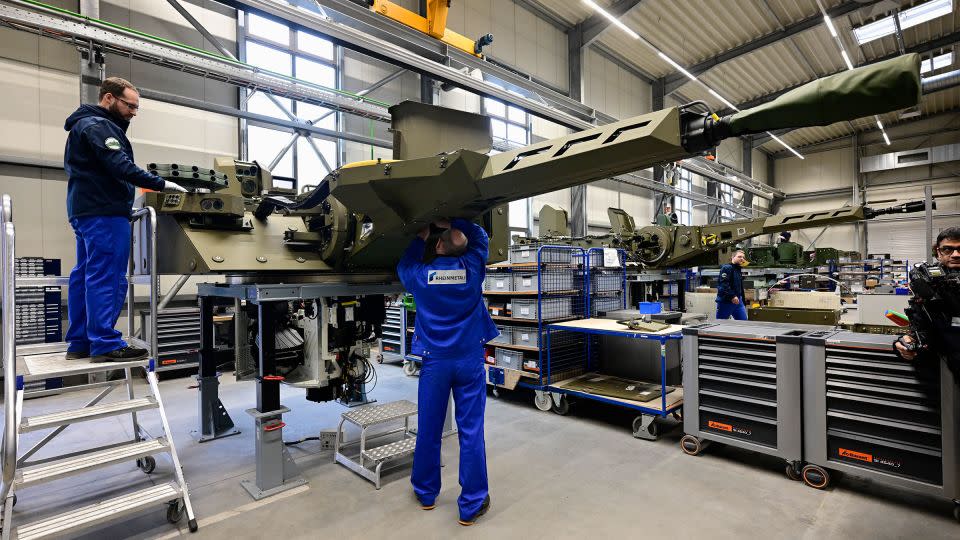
x=446 y=277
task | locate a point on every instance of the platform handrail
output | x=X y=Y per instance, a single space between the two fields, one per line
x=150 y=215
x=8 y=447
x=6 y=209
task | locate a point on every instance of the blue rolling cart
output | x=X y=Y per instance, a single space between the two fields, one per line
x=573 y=371
x=541 y=285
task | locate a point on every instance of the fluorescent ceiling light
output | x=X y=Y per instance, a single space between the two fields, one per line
x=785 y=145
x=882 y=131
x=677 y=66
x=846 y=59
x=937 y=62
x=875 y=30
x=833 y=30
x=723 y=99
x=925 y=12
x=612 y=19
x=910 y=17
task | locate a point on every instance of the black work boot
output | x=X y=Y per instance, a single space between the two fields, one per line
x=473 y=519
x=125 y=354
x=78 y=355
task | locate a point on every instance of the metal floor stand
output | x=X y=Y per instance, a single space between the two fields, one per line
x=275 y=469
x=39 y=362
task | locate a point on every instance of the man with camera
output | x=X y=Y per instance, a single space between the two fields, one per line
x=935 y=307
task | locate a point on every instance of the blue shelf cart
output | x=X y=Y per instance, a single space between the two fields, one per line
x=557 y=294
x=644 y=425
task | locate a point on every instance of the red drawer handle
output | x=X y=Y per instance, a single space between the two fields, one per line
x=275 y=426
x=273 y=377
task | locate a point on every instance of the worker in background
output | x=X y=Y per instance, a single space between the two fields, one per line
x=730 y=298
x=784 y=237
x=451 y=329
x=943 y=333
x=101 y=181
x=667 y=217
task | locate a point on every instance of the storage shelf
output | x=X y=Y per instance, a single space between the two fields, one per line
x=531 y=293
x=525 y=348
x=523 y=373
x=533 y=321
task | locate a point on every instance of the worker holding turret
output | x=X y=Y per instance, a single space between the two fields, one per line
x=451 y=328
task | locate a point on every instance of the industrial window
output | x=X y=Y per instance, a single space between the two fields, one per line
x=510 y=125
x=684 y=207
x=511 y=129
x=276 y=47
x=727 y=195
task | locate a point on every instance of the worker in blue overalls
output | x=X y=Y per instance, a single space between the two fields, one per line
x=101 y=181
x=452 y=325
x=730 y=300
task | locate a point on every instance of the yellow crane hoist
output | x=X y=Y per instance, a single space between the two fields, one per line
x=434 y=24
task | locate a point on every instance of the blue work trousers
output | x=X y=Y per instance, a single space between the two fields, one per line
x=438 y=377
x=725 y=310
x=98 y=284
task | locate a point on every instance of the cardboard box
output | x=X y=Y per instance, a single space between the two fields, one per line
x=804 y=300
x=701 y=302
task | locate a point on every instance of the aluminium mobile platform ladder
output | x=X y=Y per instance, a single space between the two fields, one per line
x=37 y=362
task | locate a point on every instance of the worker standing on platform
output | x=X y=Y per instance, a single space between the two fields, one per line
x=101 y=181
x=452 y=326
x=730 y=300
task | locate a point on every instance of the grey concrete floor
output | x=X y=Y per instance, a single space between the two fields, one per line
x=580 y=476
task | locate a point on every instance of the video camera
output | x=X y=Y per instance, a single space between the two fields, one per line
x=934 y=312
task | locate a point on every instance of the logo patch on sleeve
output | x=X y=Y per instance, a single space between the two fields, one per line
x=446 y=277
x=112 y=143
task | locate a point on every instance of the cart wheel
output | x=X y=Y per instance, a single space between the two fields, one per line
x=956 y=508
x=652 y=429
x=409 y=368
x=792 y=472
x=175 y=510
x=193 y=525
x=542 y=401
x=495 y=392
x=379 y=358
x=561 y=407
x=678 y=415
x=147 y=464
x=815 y=477
x=691 y=445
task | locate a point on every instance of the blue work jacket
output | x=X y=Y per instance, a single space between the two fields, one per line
x=98 y=159
x=729 y=284
x=452 y=320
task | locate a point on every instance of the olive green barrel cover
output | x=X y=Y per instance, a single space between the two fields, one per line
x=876 y=89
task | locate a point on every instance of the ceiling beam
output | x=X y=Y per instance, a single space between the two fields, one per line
x=538 y=9
x=677 y=80
x=596 y=24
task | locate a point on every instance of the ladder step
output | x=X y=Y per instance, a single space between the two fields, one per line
x=87 y=516
x=377 y=414
x=37 y=367
x=63 y=418
x=390 y=451
x=89 y=461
